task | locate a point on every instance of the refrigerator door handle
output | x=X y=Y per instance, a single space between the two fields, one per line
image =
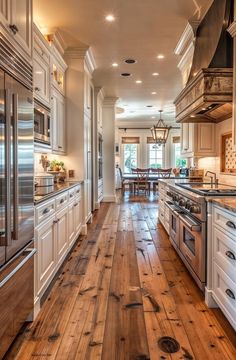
x=8 y=167
x=28 y=255
x=15 y=166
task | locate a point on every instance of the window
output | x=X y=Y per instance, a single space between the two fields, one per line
x=130 y=157
x=155 y=156
x=179 y=162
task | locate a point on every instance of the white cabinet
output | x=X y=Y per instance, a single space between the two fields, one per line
x=164 y=212
x=221 y=261
x=198 y=140
x=58 y=122
x=16 y=19
x=58 y=224
x=58 y=70
x=62 y=234
x=45 y=259
x=41 y=67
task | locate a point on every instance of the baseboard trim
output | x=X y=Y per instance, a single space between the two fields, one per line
x=209 y=300
x=109 y=198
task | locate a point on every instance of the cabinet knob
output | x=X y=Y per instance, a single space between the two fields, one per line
x=37 y=89
x=231 y=224
x=61 y=201
x=230 y=294
x=230 y=255
x=76 y=204
x=45 y=211
x=13 y=28
x=55 y=221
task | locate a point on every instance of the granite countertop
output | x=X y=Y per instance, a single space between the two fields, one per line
x=57 y=188
x=226 y=203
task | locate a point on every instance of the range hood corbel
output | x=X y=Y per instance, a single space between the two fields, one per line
x=207 y=96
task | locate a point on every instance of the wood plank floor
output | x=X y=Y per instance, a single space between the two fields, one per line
x=121 y=290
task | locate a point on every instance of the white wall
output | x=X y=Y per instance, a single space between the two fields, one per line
x=169 y=158
x=213 y=163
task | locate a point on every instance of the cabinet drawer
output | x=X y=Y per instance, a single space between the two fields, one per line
x=224 y=250
x=225 y=220
x=42 y=212
x=62 y=200
x=224 y=292
x=77 y=190
x=71 y=194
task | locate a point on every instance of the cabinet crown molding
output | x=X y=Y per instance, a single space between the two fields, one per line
x=110 y=101
x=232 y=29
x=76 y=52
x=187 y=37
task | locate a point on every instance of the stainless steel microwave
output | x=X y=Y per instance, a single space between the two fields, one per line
x=42 y=124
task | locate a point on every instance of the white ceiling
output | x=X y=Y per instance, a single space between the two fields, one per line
x=142 y=29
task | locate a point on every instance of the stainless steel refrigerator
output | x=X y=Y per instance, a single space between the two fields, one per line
x=16 y=207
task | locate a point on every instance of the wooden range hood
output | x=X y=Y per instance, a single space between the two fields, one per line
x=208 y=94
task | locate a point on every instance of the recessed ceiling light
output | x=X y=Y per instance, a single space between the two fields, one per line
x=149 y=106
x=153 y=92
x=114 y=64
x=110 y=18
x=155 y=74
x=138 y=81
x=160 y=56
x=130 y=61
x=125 y=74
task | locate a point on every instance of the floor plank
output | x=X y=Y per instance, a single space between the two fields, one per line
x=122 y=289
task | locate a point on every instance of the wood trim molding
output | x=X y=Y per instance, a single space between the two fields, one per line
x=187 y=37
x=76 y=52
x=90 y=61
x=110 y=101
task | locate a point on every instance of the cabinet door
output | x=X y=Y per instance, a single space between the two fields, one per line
x=71 y=223
x=46 y=255
x=206 y=139
x=78 y=215
x=5 y=12
x=184 y=138
x=62 y=234
x=41 y=79
x=21 y=17
x=58 y=122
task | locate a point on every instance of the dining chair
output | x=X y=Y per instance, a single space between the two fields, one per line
x=125 y=182
x=155 y=171
x=142 y=183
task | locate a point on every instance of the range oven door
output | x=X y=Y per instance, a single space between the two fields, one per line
x=193 y=245
x=174 y=223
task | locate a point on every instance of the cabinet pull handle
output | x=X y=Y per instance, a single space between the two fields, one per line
x=45 y=211
x=230 y=255
x=230 y=293
x=71 y=195
x=59 y=147
x=14 y=28
x=78 y=191
x=231 y=224
x=37 y=89
x=61 y=201
x=76 y=204
x=55 y=221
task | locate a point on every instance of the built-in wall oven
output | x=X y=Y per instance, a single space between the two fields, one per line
x=42 y=123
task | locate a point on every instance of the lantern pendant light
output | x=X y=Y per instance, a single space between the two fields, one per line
x=160 y=131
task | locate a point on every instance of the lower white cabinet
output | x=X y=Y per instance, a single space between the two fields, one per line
x=55 y=236
x=45 y=259
x=62 y=234
x=164 y=212
x=221 y=261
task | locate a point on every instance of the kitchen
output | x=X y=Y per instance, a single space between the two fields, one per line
x=84 y=272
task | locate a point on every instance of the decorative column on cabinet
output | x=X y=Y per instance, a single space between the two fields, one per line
x=232 y=31
x=108 y=117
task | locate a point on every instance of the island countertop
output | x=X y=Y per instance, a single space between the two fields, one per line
x=57 y=188
x=226 y=203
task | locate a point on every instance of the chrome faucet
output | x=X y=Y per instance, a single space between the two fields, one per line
x=212 y=176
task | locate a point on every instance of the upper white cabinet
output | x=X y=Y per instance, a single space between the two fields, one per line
x=198 y=140
x=41 y=66
x=58 y=122
x=58 y=70
x=16 y=19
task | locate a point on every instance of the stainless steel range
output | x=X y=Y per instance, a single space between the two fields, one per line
x=188 y=222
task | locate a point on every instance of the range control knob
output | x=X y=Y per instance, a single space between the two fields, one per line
x=194 y=209
x=182 y=202
x=176 y=197
x=188 y=205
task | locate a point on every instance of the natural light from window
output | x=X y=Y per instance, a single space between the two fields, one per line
x=155 y=156
x=179 y=162
x=130 y=157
